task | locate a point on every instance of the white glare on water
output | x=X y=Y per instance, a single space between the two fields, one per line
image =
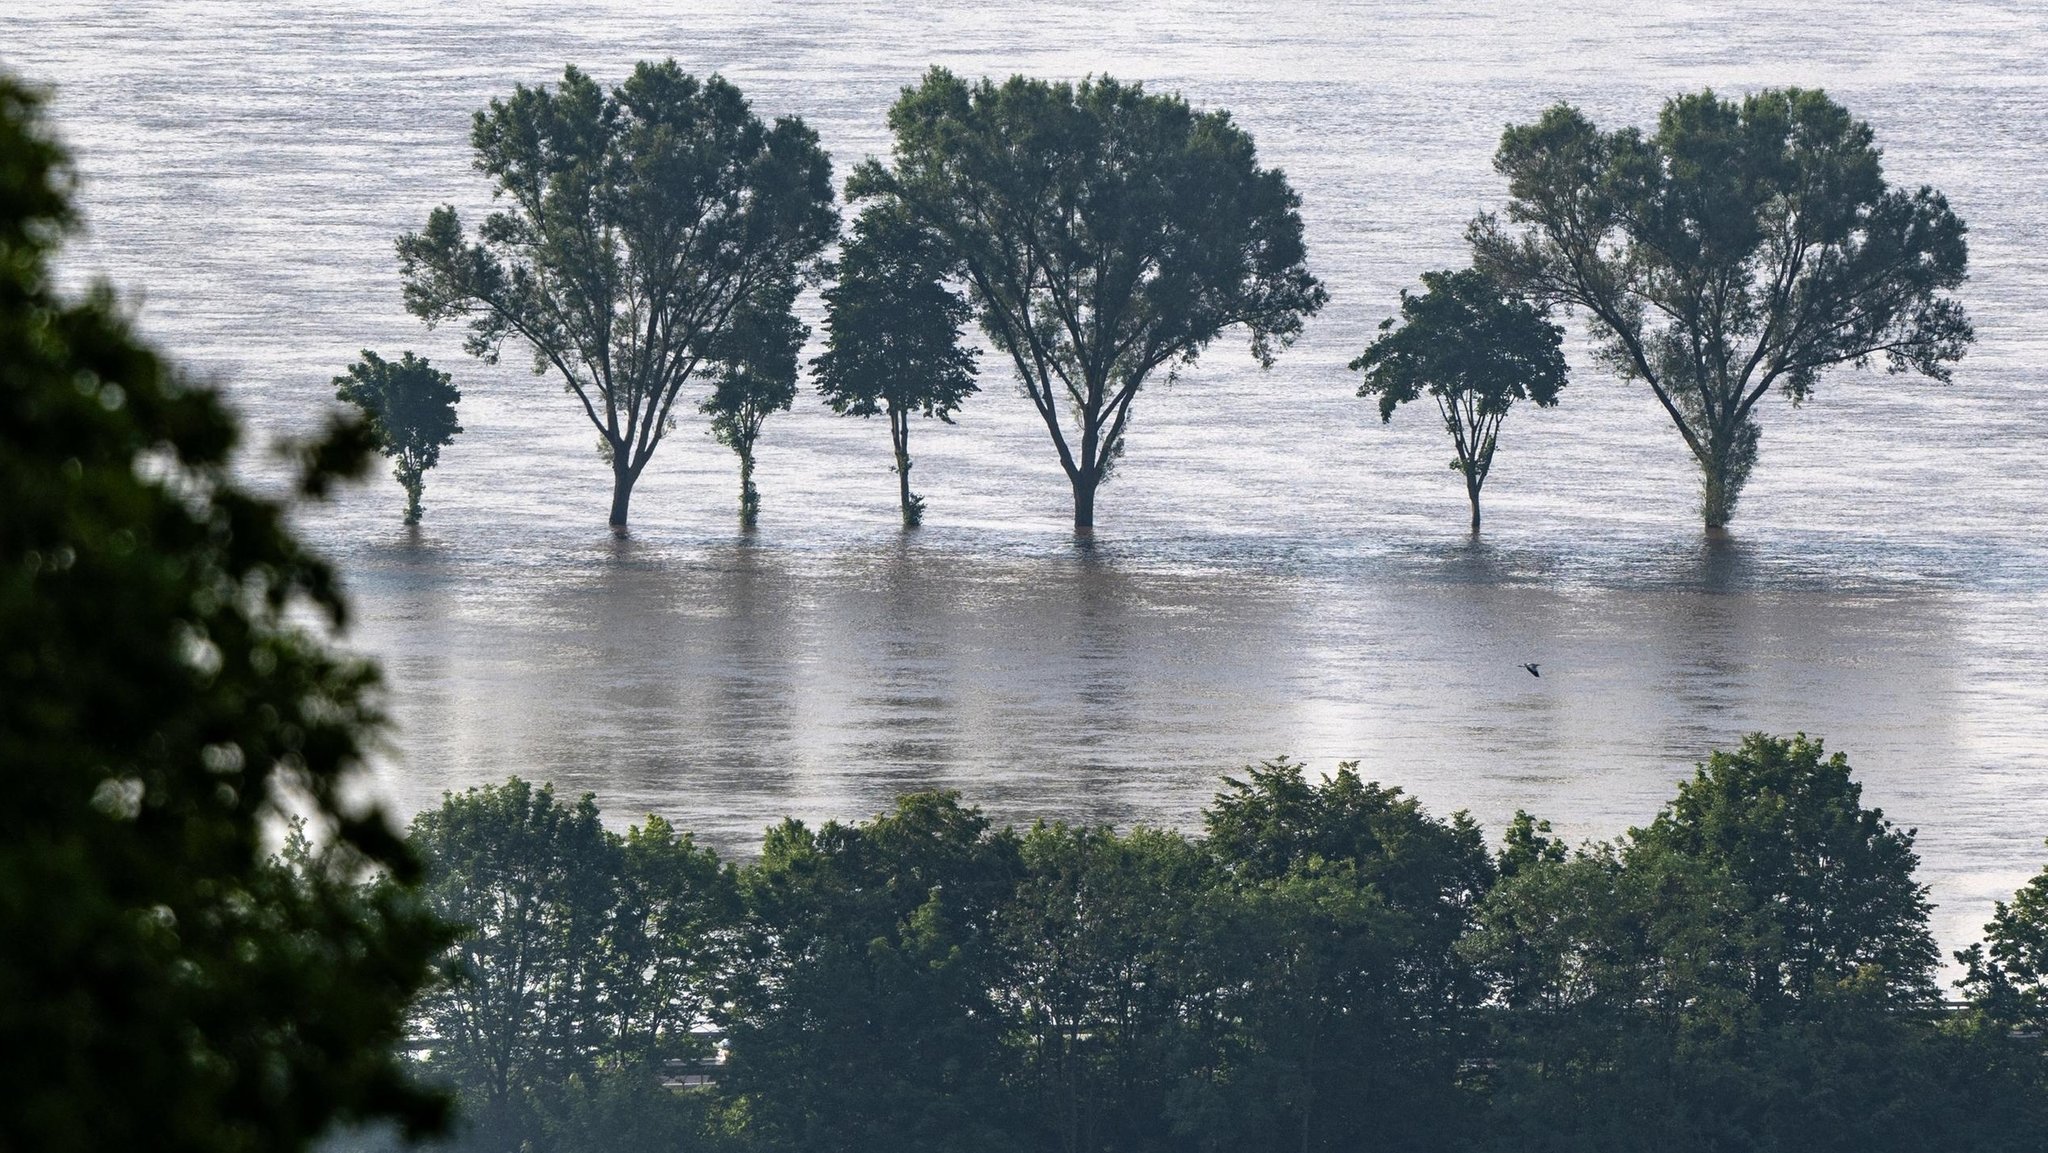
x=1276 y=573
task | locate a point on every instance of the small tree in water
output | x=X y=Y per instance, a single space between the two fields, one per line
x=1477 y=351
x=893 y=335
x=755 y=378
x=411 y=406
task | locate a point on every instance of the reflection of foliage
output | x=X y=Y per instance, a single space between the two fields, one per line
x=411 y=406
x=162 y=984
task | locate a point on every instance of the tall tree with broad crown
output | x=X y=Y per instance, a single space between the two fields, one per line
x=1104 y=234
x=640 y=223
x=892 y=340
x=1477 y=352
x=1740 y=248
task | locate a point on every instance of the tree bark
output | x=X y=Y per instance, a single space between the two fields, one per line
x=622 y=496
x=1085 y=483
x=1472 y=491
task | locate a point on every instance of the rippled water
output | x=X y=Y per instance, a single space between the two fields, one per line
x=1276 y=572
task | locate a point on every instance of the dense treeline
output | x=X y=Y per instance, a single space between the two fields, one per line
x=1325 y=966
x=1103 y=237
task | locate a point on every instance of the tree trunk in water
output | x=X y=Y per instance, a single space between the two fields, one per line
x=622 y=495
x=1472 y=492
x=1717 y=501
x=1085 y=483
x=899 y=438
x=414 y=486
x=750 y=498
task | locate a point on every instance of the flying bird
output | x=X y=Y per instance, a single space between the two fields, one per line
x=1531 y=666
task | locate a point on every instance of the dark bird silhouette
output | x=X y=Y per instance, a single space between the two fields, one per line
x=1531 y=666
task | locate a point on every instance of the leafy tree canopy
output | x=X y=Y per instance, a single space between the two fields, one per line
x=1104 y=233
x=411 y=406
x=892 y=334
x=1473 y=349
x=163 y=983
x=1739 y=248
x=639 y=226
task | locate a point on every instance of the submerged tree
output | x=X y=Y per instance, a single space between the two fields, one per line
x=411 y=406
x=1476 y=351
x=1104 y=234
x=756 y=378
x=892 y=341
x=639 y=226
x=166 y=697
x=1740 y=248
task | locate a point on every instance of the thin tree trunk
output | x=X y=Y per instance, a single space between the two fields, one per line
x=899 y=437
x=1472 y=491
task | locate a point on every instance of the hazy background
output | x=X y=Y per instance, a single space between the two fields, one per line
x=1276 y=572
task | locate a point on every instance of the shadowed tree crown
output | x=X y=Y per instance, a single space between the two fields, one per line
x=1741 y=248
x=411 y=407
x=165 y=700
x=1104 y=234
x=892 y=334
x=1473 y=349
x=637 y=227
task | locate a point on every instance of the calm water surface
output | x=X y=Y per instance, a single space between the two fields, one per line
x=1276 y=571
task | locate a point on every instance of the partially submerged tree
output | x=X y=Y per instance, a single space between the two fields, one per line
x=1104 y=233
x=411 y=407
x=892 y=341
x=166 y=696
x=1740 y=248
x=639 y=224
x=1476 y=351
x=755 y=378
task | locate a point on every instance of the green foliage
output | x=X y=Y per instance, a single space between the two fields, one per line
x=587 y=963
x=892 y=334
x=867 y=1018
x=163 y=983
x=1339 y=1001
x=1104 y=234
x=642 y=227
x=1327 y=967
x=1105 y=931
x=755 y=378
x=1738 y=249
x=2007 y=975
x=1752 y=970
x=411 y=406
x=1476 y=351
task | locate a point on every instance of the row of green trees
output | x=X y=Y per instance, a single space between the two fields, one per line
x=657 y=235
x=1325 y=966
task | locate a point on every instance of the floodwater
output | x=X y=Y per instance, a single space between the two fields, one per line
x=1275 y=571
